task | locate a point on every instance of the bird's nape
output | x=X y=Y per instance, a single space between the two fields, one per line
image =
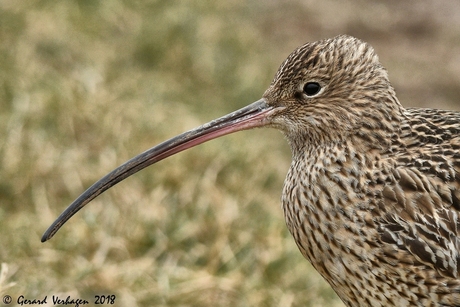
x=254 y=115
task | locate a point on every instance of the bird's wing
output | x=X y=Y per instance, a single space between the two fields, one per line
x=422 y=218
x=422 y=201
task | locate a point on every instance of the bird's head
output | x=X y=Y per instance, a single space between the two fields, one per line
x=322 y=92
x=330 y=89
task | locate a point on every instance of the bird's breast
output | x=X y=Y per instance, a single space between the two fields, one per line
x=325 y=205
x=327 y=212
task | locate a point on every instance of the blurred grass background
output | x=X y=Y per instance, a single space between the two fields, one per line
x=85 y=85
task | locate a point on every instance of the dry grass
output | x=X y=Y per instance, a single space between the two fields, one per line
x=86 y=85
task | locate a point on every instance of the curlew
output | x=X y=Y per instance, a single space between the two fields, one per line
x=372 y=195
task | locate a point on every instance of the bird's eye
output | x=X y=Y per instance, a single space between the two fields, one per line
x=311 y=88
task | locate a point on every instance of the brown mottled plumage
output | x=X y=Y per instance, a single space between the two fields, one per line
x=372 y=195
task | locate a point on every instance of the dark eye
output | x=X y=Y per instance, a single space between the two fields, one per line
x=311 y=88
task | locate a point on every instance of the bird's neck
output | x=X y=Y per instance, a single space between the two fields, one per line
x=366 y=130
x=324 y=197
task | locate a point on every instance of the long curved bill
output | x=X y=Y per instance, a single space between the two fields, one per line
x=254 y=115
